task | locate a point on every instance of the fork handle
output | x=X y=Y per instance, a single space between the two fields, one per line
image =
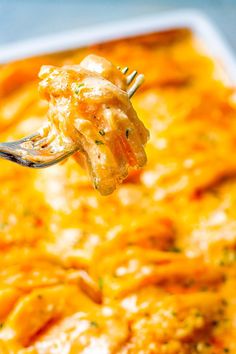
x=8 y=152
x=30 y=157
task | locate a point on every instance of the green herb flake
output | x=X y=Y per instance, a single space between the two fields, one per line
x=100 y=283
x=3 y=225
x=94 y=324
x=99 y=142
x=127 y=133
x=198 y=314
x=77 y=88
x=175 y=249
x=102 y=132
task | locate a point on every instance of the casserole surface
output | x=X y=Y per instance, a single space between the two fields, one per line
x=150 y=269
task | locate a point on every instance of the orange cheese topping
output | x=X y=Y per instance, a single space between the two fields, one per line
x=150 y=268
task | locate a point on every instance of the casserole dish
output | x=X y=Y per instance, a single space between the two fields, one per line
x=151 y=268
x=193 y=19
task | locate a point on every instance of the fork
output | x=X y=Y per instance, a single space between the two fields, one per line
x=36 y=152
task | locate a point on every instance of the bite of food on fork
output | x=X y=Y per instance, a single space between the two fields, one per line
x=89 y=115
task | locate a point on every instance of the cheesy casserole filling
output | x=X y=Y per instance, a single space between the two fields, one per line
x=150 y=268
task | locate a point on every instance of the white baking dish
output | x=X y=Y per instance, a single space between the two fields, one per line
x=213 y=41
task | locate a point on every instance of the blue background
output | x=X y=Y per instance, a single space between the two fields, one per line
x=23 y=19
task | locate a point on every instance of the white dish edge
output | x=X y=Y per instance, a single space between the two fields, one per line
x=200 y=24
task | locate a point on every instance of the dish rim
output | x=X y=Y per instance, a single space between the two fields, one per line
x=201 y=25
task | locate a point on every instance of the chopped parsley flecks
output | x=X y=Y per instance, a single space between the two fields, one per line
x=96 y=183
x=100 y=283
x=102 y=132
x=198 y=314
x=94 y=324
x=127 y=133
x=175 y=249
x=99 y=142
x=77 y=88
x=3 y=225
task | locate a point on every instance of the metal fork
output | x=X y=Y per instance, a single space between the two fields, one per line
x=34 y=151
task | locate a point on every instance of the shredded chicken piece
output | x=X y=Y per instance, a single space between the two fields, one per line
x=89 y=107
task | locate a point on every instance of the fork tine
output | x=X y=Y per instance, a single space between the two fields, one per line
x=125 y=70
x=131 y=76
x=41 y=143
x=137 y=83
x=44 y=141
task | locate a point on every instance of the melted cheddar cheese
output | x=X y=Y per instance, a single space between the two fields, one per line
x=151 y=268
